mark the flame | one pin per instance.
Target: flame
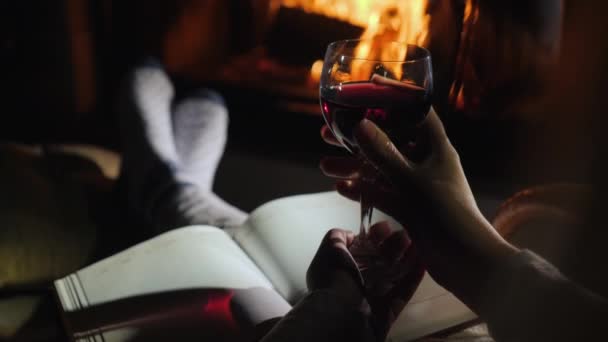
(316, 70)
(399, 20)
(464, 74)
(394, 20)
(355, 12)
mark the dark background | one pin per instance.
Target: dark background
(63, 60)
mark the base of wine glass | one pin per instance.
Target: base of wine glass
(378, 275)
(364, 252)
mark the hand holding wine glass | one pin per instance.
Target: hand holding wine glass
(432, 199)
(393, 90)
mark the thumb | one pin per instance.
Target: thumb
(380, 151)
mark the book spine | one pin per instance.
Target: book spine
(71, 294)
(72, 297)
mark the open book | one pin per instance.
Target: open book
(202, 279)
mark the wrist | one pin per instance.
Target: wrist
(479, 238)
(466, 259)
(490, 245)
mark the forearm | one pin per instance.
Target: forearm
(527, 299)
(322, 316)
(520, 296)
(463, 258)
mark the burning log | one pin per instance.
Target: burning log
(298, 37)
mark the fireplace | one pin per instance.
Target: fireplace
(490, 60)
(487, 57)
(287, 62)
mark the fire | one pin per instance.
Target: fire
(398, 20)
(394, 20)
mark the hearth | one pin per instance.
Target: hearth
(490, 61)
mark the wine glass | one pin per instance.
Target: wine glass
(389, 83)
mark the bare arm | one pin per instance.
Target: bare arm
(522, 297)
(528, 299)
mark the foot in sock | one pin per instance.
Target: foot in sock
(200, 128)
(187, 204)
(169, 160)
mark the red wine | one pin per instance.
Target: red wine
(395, 107)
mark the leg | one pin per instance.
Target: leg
(170, 159)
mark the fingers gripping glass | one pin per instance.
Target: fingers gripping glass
(389, 83)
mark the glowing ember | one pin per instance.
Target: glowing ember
(395, 20)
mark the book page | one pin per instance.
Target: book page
(191, 257)
(431, 309)
(282, 237)
(180, 281)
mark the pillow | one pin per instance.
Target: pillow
(47, 229)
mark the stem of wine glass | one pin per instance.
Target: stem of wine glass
(368, 177)
(363, 250)
(366, 210)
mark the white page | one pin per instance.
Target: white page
(282, 236)
(185, 258)
(191, 258)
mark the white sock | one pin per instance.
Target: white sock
(200, 128)
(169, 161)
